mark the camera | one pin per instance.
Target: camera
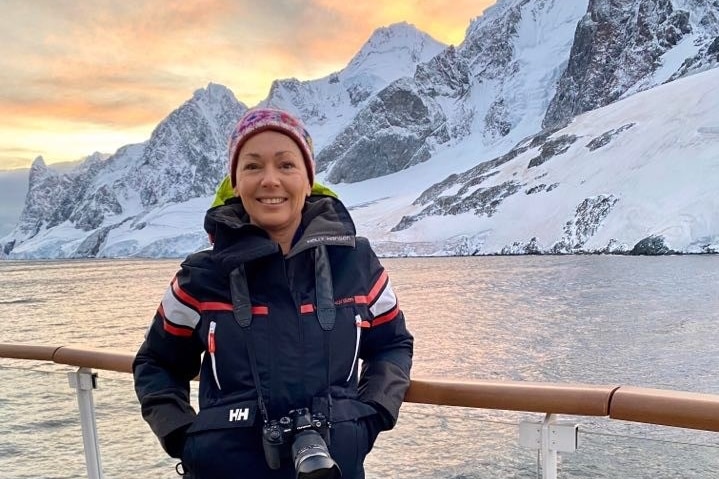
(300, 433)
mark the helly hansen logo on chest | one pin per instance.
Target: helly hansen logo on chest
(239, 414)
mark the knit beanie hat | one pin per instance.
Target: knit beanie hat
(262, 119)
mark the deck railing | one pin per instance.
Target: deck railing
(644, 405)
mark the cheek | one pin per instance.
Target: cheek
(244, 185)
(236, 189)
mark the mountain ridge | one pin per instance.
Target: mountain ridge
(386, 140)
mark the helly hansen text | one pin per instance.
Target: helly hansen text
(239, 414)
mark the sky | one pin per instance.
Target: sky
(79, 77)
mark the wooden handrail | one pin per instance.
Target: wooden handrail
(669, 408)
(105, 359)
(27, 351)
(575, 399)
(646, 405)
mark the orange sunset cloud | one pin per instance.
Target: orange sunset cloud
(94, 76)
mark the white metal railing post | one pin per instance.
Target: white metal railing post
(549, 455)
(84, 381)
(548, 437)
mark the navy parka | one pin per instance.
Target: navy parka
(309, 316)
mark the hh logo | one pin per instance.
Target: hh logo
(242, 414)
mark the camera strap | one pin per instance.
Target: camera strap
(242, 310)
(256, 379)
(324, 291)
(326, 311)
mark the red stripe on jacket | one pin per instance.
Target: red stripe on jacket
(260, 310)
(379, 284)
(201, 306)
(171, 328)
(386, 317)
(374, 292)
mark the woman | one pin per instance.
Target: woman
(283, 306)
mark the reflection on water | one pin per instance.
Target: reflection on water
(601, 320)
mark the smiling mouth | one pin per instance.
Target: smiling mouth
(272, 201)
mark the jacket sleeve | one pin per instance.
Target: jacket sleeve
(166, 362)
(386, 349)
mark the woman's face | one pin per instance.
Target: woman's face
(271, 179)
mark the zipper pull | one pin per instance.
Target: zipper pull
(358, 323)
(211, 347)
(211, 338)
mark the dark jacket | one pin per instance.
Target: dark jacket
(307, 316)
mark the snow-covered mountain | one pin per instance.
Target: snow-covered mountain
(327, 104)
(640, 175)
(450, 150)
(72, 214)
(494, 88)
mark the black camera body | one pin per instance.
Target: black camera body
(301, 433)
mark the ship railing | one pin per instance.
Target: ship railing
(681, 409)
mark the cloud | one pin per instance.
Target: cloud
(127, 65)
(446, 21)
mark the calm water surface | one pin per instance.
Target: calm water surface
(591, 319)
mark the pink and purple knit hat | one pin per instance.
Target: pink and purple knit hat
(262, 119)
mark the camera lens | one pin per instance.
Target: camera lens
(312, 459)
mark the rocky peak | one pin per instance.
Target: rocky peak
(618, 48)
(214, 101)
(38, 169)
(325, 104)
(399, 42)
(43, 183)
(186, 154)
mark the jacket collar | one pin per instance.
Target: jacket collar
(325, 221)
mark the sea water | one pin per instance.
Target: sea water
(615, 320)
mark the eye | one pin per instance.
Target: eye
(250, 166)
(288, 165)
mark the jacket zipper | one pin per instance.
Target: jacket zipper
(358, 324)
(211, 349)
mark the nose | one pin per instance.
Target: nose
(270, 176)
